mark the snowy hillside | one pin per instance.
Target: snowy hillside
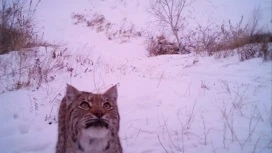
(168, 104)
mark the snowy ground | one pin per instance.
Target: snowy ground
(174, 103)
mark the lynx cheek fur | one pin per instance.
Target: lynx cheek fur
(88, 122)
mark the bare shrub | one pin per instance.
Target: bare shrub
(206, 38)
(17, 29)
(241, 34)
(248, 52)
(266, 50)
(170, 14)
(214, 38)
(222, 40)
(161, 46)
(255, 50)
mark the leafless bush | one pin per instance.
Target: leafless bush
(170, 14)
(255, 50)
(248, 52)
(17, 29)
(265, 50)
(222, 40)
(241, 34)
(161, 46)
(216, 38)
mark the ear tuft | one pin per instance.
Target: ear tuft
(71, 93)
(112, 93)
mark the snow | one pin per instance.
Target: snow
(173, 103)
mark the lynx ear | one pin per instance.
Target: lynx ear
(71, 93)
(112, 93)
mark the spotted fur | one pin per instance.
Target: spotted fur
(88, 122)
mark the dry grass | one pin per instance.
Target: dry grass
(30, 68)
(17, 28)
(122, 33)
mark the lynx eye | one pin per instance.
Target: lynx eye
(107, 106)
(84, 105)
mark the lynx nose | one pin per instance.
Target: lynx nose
(98, 113)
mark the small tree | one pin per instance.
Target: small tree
(169, 13)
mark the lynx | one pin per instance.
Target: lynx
(88, 122)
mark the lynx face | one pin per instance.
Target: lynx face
(93, 112)
(89, 122)
(96, 113)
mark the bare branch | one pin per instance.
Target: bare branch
(170, 14)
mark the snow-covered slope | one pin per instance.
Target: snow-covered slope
(174, 103)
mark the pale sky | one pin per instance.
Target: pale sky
(219, 10)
